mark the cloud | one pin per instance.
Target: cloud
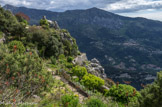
(125, 6)
(59, 4)
(117, 6)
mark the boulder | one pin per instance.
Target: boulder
(79, 60)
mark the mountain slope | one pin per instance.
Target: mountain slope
(129, 48)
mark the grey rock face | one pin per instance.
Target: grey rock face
(65, 36)
(94, 60)
(53, 24)
(94, 67)
(80, 59)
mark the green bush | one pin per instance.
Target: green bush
(53, 60)
(24, 70)
(69, 100)
(16, 46)
(152, 94)
(94, 102)
(62, 56)
(79, 71)
(44, 23)
(8, 21)
(92, 81)
(124, 93)
(69, 65)
(70, 59)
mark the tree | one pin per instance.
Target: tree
(152, 94)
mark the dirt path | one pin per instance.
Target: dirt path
(81, 97)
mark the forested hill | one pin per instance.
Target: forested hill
(128, 48)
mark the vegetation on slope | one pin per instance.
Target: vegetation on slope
(36, 67)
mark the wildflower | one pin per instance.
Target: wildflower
(7, 83)
(17, 90)
(76, 95)
(39, 76)
(30, 53)
(14, 100)
(35, 75)
(28, 93)
(15, 47)
(13, 78)
(0, 91)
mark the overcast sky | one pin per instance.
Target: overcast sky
(151, 9)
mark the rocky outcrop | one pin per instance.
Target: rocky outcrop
(94, 67)
(79, 60)
(67, 37)
(52, 24)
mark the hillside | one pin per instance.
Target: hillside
(41, 66)
(128, 48)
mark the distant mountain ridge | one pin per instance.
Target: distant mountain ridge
(129, 48)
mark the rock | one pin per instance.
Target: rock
(95, 68)
(80, 59)
(94, 65)
(52, 24)
(94, 60)
(67, 37)
(56, 26)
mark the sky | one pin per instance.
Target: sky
(151, 9)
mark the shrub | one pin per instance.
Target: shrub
(8, 21)
(53, 60)
(16, 46)
(70, 100)
(70, 59)
(24, 71)
(69, 65)
(152, 94)
(123, 93)
(92, 81)
(79, 71)
(62, 56)
(44, 23)
(94, 102)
